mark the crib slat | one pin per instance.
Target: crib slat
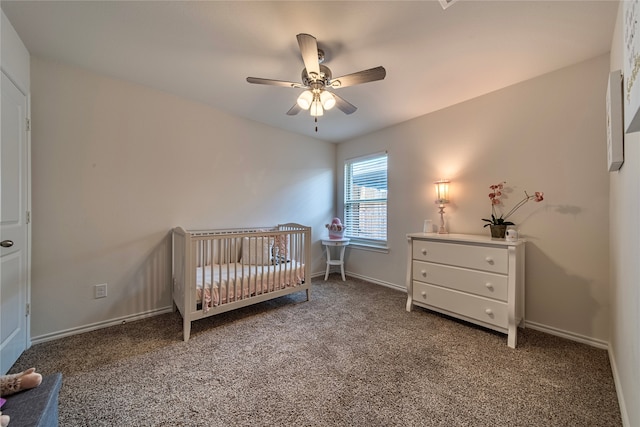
(238, 273)
(255, 252)
(220, 283)
(226, 263)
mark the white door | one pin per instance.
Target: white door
(14, 331)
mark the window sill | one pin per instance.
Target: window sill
(371, 248)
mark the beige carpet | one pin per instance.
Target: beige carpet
(352, 356)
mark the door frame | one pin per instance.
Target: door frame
(29, 214)
(27, 202)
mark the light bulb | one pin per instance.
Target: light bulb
(316, 108)
(328, 100)
(305, 99)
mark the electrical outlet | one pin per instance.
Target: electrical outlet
(100, 291)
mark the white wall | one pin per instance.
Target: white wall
(117, 165)
(624, 186)
(14, 59)
(546, 134)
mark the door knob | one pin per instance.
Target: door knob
(6, 243)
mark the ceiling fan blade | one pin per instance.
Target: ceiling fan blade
(270, 82)
(294, 110)
(309, 50)
(365, 76)
(344, 106)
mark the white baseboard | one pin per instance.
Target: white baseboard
(616, 379)
(533, 325)
(100, 325)
(130, 318)
(378, 282)
(557, 332)
(365, 278)
(568, 335)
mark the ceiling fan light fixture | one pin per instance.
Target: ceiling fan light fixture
(317, 78)
(316, 108)
(327, 99)
(305, 99)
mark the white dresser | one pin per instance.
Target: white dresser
(471, 277)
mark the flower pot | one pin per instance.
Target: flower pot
(336, 235)
(498, 231)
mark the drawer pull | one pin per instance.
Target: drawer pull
(489, 260)
(489, 286)
(424, 251)
(424, 294)
(489, 312)
(424, 273)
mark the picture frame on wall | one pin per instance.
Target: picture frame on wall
(631, 59)
(615, 125)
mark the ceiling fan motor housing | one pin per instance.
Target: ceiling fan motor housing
(323, 79)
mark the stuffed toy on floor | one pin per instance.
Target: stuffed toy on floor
(13, 383)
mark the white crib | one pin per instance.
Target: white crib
(215, 271)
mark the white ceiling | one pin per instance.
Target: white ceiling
(204, 50)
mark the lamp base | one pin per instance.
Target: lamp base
(442, 230)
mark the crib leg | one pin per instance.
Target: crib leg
(186, 329)
(308, 294)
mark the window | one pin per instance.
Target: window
(365, 199)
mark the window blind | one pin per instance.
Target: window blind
(365, 199)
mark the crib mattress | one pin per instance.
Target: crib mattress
(224, 283)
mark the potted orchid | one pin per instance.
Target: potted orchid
(499, 222)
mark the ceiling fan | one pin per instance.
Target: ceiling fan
(317, 79)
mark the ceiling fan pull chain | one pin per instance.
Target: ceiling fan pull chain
(316, 120)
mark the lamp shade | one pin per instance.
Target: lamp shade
(316, 108)
(442, 191)
(327, 99)
(305, 99)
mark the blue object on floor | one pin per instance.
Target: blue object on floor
(36, 407)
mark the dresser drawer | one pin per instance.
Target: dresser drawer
(490, 285)
(478, 257)
(475, 307)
